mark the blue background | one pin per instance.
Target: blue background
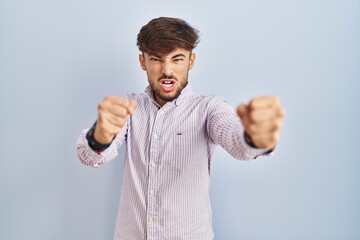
(58, 59)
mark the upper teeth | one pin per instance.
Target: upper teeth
(166, 82)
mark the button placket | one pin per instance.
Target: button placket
(153, 177)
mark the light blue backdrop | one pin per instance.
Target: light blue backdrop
(58, 59)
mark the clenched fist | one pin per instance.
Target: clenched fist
(262, 119)
(113, 113)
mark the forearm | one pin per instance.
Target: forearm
(226, 130)
(233, 141)
(92, 158)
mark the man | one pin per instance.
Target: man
(170, 133)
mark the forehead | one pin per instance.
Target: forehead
(175, 53)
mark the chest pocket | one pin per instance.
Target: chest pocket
(185, 150)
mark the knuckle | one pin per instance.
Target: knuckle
(103, 105)
(276, 100)
(107, 99)
(100, 106)
(282, 112)
(275, 126)
(252, 103)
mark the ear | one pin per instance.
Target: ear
(192, 61)
(142, 61)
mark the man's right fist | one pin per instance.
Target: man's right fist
(113, 113)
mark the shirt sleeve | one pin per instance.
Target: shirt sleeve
(225, 129)
(95, 159)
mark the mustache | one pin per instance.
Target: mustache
(163, 77)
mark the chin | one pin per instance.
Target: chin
(168, 98)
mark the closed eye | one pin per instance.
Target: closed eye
(154, 59)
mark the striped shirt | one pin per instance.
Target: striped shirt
(169, 149)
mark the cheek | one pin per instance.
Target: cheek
(153, 70)
(184, 71)
(153, 74)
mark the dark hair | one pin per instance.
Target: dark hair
(164, 34)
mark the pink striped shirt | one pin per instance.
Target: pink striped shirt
(169, 149)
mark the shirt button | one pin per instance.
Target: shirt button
(152, 192)
(150, 219)
(155, 136)
(152, 163)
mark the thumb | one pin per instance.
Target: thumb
(243, 113)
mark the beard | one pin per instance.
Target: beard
(167, 97)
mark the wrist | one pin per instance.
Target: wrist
(99, 136)
(94, 144)
(249, 141)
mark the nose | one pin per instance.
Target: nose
(167, 68)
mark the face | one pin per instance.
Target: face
(167, 75)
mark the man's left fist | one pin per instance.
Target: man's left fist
(262, 119)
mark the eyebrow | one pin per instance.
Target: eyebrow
(176, 56)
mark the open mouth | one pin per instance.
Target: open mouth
(167, 84)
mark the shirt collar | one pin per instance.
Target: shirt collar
(181, 98)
